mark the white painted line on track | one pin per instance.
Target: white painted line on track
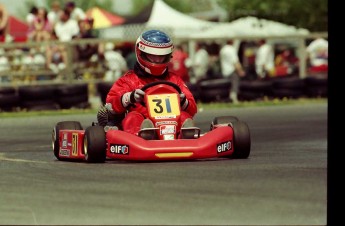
(4, 158)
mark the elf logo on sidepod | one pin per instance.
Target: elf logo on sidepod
(119, 149)
(223, 147)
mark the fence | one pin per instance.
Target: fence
(24, 65)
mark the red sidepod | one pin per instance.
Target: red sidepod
(71, 144)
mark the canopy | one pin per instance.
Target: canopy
(162, 17)
(17, 29)
(250, 27)
(103, 18)
(182, 25)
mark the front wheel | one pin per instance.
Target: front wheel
(65, 125)
(95, 144)
(242, 141)
(223, 120)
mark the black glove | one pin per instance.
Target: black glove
(133, 97)
(183, 101)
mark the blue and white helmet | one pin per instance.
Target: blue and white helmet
(156, 43)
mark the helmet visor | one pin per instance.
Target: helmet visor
(156, 59)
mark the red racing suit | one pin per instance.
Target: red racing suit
(136, 79)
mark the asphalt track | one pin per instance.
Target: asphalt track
(283, 182)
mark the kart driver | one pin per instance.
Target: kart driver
(153, 51)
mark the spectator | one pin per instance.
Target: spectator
(131, 59)
(42, 26)
(318, 55)
(178, 63)
(199, 63)
(3, 23)
(115, 63)
(75, 12)
(231, 68)
(86, 51)
(56, 56)
(4, 62)
(264, 60)
(66, 28)
(4, 66)
(286, 63)
(30, 18)
(54, 13)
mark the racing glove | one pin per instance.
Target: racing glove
(183, 101)
(132, 97)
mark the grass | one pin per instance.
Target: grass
(264, 102)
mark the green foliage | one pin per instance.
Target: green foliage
(310, 14)
(182, 6)
(139, 5)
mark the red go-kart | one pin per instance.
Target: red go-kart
(227, 137)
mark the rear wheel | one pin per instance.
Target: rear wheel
(72, 125)
(223, 120)
(95, 144)
(242, 141)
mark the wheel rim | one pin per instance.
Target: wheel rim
(53, 138)
(85, 148)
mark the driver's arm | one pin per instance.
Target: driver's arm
(192, 107)
(114, 98)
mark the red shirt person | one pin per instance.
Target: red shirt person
(177, 63)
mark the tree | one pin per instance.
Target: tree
(309, 14)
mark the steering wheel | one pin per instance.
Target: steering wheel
(175, 86)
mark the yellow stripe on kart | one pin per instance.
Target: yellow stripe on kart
(174, 155)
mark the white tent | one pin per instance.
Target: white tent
(163, 17)
(249, 27)
(181, 25)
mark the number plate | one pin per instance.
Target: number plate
(163, 106)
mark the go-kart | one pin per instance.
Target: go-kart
(227, 137)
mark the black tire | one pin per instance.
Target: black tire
(37, 93)
(241, 142)
(246, 95)
(223, 120)
(44, 107)
(7, 90)
(195, 90)
(288, 83)
(72, 90)
(67, 102)
(103, 89)
(55, 135)
(258, 86)
(38, 105)
(316, 81)
(9, 100)
(316, 91)
(214, 95)
(287, 93)
(218, 83)
(95, 144)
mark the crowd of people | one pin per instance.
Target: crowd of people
(69, 22)
(55, 26)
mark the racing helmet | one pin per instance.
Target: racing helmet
(153, 50)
